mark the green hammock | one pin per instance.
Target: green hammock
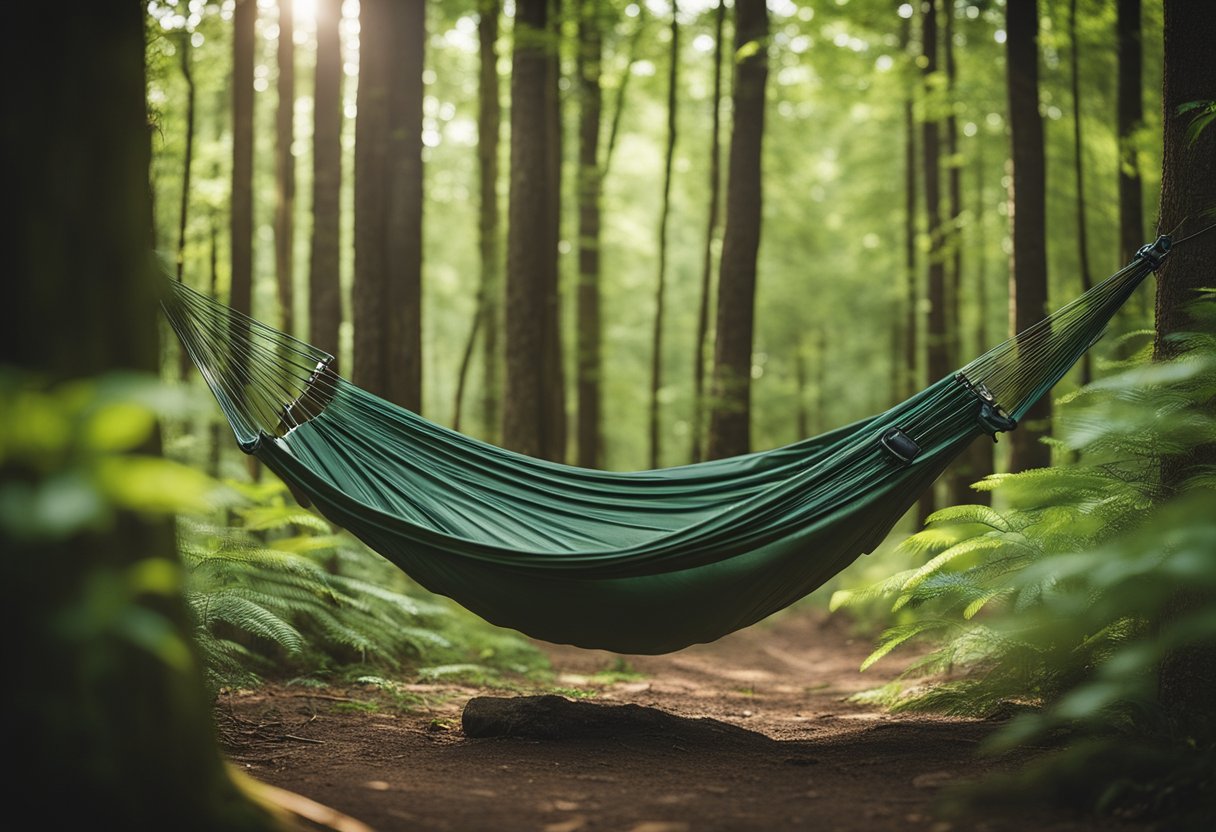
(643, 562)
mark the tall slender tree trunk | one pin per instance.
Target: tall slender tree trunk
(589, 361)
(980, 454)
(711, 232)
(730, 417)
(183, 214)
(1028, 210)
(1130, 105)
(324, 280)
(284, 167)
(489, 130)
(962, 473)
(403, 351)
(486, 312)
(554, 367)
(656, 348)
(244, 22)
(1188, 190)
(937, 345)
(110, 696)
(937, 336)
(953, 235)
(388, 201)
(528, 415)
(1087, 371)
(912, 346)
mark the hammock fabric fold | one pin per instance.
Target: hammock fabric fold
(641, 562)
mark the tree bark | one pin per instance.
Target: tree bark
(1130, 106)
(1087, 280)
(531, 244)
(183, 214)
(980, 453)
(1028, 211)
(1188, 190)
(284, 167)
(488, 310)
(103, 712)
(589, 431)
(388, 201)
(656, 349)
(711, 232)
(244, 22)
(324, 282)
(489, 130)
(730, 417)
(937, 336)
(554, 436)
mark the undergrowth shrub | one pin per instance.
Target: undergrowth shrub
(1059, 610)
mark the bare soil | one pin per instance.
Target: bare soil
(754, 731)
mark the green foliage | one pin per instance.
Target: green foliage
(276, 590)
(1061, 609)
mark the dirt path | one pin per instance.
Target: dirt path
(797, 757)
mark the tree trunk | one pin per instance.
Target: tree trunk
(730, 417)
(531, 244)
(324, 281)
(403, 230)
(1028, 210)
(284, 167)
(110, 697)
(244, 22)
(1087, 280)
(183, 214)
(711, 231)
(388, 201)
(488, 310)
(554, 435)
(656, 349)
(962, 473)
(980, 454)
(1188, 190)
(590, 444)
(1130, 118)
(489, 129)
(937, 336)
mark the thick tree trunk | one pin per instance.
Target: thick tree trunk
(1130, 107)
(590, 447)
(110, 698)
(1028, 210)
(244, 22)
(656, 345)
(1087, 371)
(388, 201)
(1188, 190)
(531, 244)
(730, 418)
(285, 168)
(324, 283)
(711, 232)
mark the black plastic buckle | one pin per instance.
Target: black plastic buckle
(900, 445)
(1155, 252)
(992, 417)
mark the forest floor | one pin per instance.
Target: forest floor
(753, 732)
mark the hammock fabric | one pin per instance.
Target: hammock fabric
(642, 562)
